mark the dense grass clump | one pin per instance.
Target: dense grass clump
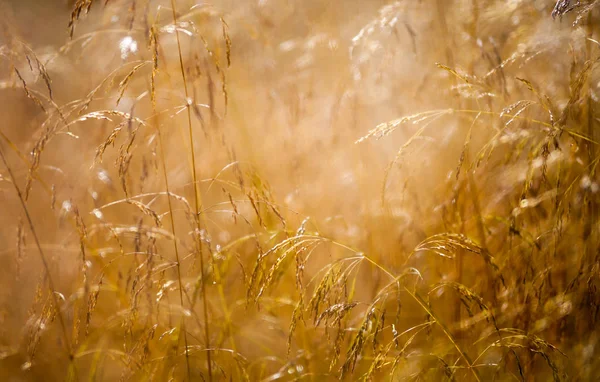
(299, 190)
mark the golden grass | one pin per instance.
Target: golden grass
(299, 190)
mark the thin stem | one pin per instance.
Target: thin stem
(176, 248)
(196, 194)
(172, 220)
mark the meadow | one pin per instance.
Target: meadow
(313, 190)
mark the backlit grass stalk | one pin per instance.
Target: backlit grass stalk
(591, 127)
(182, 328)
(196, 195)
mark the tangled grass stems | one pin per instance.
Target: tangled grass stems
(461, 351)
(415, 295)
(46, 266)
(471, 255)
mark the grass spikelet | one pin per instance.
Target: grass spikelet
(295, 249)
(227, 39)
(123, 161)
(577, 86)
(260, 280)
(543, 99)
(467, 296)
(386, 128)
(82, 231)
(399, 155)
(78, 7)
(516, 340)
(29, 93)
(91, 304)
(146, 210)
(110, 140)
(519, 106)
(340, 336)
(125, 81)
(329, 280)
(107, 82)
(46, 317)
(563, 7)
(154, 49)
(446, 245)
(297, 315)
(356, 347)
(463, 77)
(224, 90)
(376, 365)
(254, 204)
(335, 313)
(20, 248)
(41, 69)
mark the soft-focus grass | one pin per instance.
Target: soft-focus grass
(299, 190)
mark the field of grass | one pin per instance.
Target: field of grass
(312, 190)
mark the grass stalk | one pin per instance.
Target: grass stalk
(182, 328)
(196, 192)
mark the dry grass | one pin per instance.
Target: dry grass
(299, 190)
